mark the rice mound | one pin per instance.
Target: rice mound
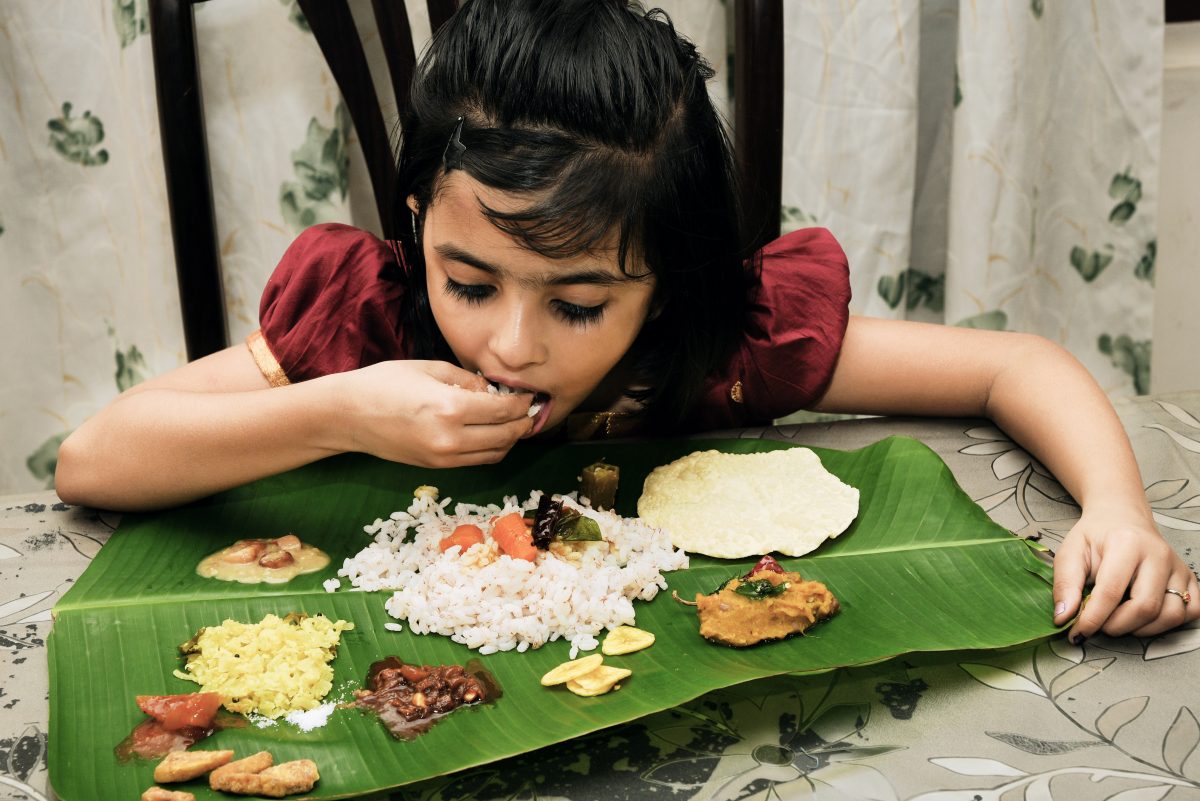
(732, 505)
(272, 668)
(490, 602)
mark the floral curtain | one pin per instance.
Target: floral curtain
(987, 164)
(990, 165)
(88, 282)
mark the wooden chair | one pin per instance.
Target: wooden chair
(758, 113)
(758, 128)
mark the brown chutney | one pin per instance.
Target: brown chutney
(409, 698)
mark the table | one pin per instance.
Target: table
(1112, 719)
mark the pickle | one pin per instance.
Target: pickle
(598, 483)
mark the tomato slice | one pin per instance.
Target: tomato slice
(177, 712)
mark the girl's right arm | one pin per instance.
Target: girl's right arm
(215, 423)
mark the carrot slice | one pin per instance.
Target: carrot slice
(514, 539)
(465, 536)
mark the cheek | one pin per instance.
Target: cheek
(460, 328)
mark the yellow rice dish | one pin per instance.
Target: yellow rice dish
(271, 668)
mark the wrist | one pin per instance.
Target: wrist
(1119, 508)
(330, 408)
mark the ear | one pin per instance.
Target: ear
(413, 205)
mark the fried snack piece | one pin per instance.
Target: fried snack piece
(626, 640)
(159, 794)
(746, 612)
(572, 670)
(255, 763)
(297, 776)
(599, 681)
(182, 766)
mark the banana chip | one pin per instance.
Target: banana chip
(599, 681)
(572, 670)
(626, 640)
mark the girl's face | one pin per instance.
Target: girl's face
(556, 327)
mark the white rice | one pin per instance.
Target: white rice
(504, 389)
(491, 602)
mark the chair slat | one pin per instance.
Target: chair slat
(333, 26)
(439, 12)
(395, 34)
(758, 113)
(189, 187)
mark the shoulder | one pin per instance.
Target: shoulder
(802, 289)
(334, 254)
(332, 302)
(808, 258)
(799, 306)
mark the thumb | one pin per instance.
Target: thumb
(1070, 574)
(456, 376)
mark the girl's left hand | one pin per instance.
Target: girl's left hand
(1131, 566)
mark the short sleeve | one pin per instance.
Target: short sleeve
(332, 304)
(795, 326)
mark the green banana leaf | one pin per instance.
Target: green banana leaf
(921, 569)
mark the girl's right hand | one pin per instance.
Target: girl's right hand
(430, 414)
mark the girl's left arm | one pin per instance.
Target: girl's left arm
(1047, 402)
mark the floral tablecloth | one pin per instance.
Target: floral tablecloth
(1114, 719)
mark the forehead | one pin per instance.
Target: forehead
(458, 217)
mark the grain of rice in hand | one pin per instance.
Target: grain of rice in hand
(489, 601)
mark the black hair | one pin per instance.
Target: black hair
(599, 113)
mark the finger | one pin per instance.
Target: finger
(1173, 611)
(1112, 579)
(1145, 603)
(455, 376)
(484, 408)
(496, 436)
(477, 458)
(1071, 572)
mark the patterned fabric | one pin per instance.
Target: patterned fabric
(333, 304)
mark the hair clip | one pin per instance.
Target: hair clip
(452, 155)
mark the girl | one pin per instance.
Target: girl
(575, 239)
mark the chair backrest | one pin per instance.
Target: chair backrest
(758, 113)
(758, 128)
(333, 27)
(189, 187)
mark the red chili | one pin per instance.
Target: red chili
(766, 563)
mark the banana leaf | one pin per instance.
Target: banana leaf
(922, 568)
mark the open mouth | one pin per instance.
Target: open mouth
(538, 409)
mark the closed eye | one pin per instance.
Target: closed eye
(575, 314)
(471, 293)
(570, 313)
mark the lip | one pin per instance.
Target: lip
(540, 396)
(539, 422)
(495, 379)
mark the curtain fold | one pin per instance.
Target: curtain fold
(990, 165)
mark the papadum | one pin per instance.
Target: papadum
(735, 505)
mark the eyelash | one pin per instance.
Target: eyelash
(571, 313)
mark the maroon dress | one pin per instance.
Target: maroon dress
(333, 305)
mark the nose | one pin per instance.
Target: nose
(517, 342)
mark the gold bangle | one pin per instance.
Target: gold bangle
(271, 369)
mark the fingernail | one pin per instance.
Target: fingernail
(1059, 608)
